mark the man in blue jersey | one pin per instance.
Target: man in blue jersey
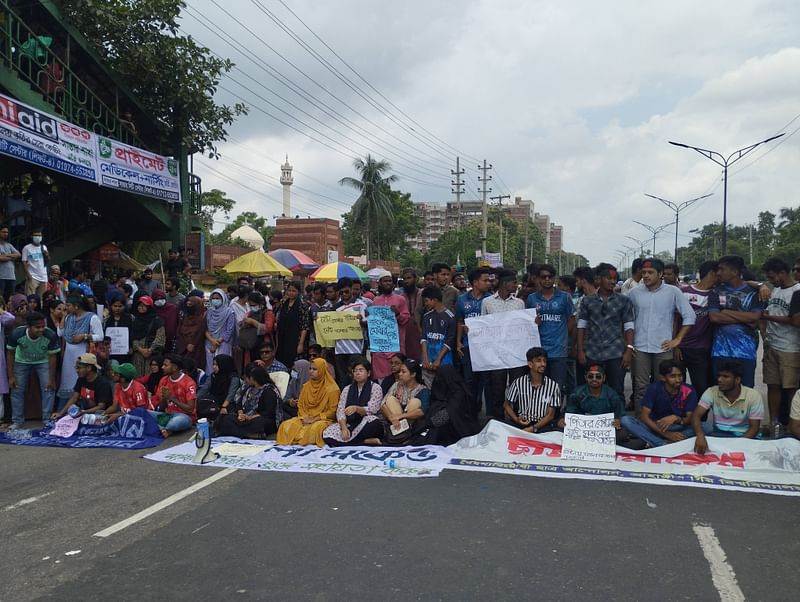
(734, 309)
(438, 334)
(468, 305)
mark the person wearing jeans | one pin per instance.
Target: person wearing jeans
(8, 255)
(31, 348)
(175, 400)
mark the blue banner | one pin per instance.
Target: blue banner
(384, 336)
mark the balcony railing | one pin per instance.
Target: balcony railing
(42, 60)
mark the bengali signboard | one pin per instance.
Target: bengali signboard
(134, 170)
(48, 141)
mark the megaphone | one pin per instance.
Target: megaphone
(202, 441)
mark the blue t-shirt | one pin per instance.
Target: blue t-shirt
(555, 314)
(438, 331)
(734, 340)
(467, 306)
(662, 403)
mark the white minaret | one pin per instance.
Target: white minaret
(287, 181)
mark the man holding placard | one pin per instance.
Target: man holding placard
(381, 366)
(468, 305)
(533, 400)
(347, 349)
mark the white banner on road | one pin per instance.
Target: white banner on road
(736, 464)
(498, 341)
(422, 461)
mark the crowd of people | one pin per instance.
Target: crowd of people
(246, 357)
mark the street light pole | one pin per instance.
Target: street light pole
(654, 230)
(638, 242)
(725, 164)
(677, 208)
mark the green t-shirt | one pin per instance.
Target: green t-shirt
(32, 351)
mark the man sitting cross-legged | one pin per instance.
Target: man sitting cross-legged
(175, 398)
(667, 407)
(129, 393)
(737, 410)
(533, 400)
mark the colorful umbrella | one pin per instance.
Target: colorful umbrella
(294, 260)
(256, 263)
(331, 272)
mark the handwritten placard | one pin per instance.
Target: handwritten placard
(499, 341)
(590, 438)
(384, 336)
(120, 340)
(65, 427)
(330, 326)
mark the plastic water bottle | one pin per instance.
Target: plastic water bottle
(777, 430)
(74, 411)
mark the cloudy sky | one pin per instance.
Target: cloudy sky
(572, 102)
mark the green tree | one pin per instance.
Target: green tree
(787, 238)
(214, 202)
(173, 77)
(250, 218)
(388, 235)
(373, 204)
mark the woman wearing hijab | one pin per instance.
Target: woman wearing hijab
(253, 414)
(293, 324)
(153, 376)
(357, 415)
(220, 327)
(147, 334)
(449, 417)
(220, 387)
(81, 328)
(299, 377)
(18, 305)
(169, 316)
(192, 329)
(118, 317)
(316, 409)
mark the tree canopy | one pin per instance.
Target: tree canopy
(172, 76)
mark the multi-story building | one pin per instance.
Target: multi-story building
(542, 221)
(434, 224)
(556, 239)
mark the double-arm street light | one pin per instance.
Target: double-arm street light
(654, 230)
(638, 242)
(677, 208)
(725, 163)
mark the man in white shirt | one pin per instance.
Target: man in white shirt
(34, 260)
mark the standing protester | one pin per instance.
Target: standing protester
(8, 255)
(655, 304)
(174, 295)
(781, 339)
(413, 295)
(605, 329)
(636, 277)
(695, 348)
(147, 285)
(92, 392)
(148, 337)
(293, 325)
(346, 350)
(192, 329)
(220, 328)
(672, 274)
(468, 305)
(502, 301)
(438, 334)
(81, 330)
(735, 309)
(34, 259)
(387, 297)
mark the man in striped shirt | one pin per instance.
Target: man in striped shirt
(533, 401)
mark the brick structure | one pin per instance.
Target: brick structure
(313, 236)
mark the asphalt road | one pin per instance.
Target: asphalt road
(461, 536)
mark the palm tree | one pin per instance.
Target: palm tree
(373, 202)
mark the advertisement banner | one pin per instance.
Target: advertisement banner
(134, 170)
(41, 139)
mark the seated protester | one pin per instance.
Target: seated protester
(129, 394)
(595, 397)
(253, 414)
(357, 415)
(737, 410)
(219, 389)
(316, 409)
(451, 415)
(266, 359)
(408, 399)
(175, 399)
(197, 374)
(153, 376)
(667, 407)
(533, 401)
(92, 393)
(394, 363)
(298, 378)
(794, 416)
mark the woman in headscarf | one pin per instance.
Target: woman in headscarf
(220, 327)
(169, 316)
(293, 324)
(253, 414)
(81, 328)
(118, 317)
(192, 329)
(299, 377)
(18, 305)
(316, 409)
(221, 386)
(450, 416)
(407, 401)
(147, 334)
(153, 376)
(357, 415)
(34, 303)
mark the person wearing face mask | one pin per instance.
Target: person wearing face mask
(255, 328)
(192, 329)
(34, 259)
(147, 334)
(169, 315)
(220, 327)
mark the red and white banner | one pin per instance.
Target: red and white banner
(735, 464)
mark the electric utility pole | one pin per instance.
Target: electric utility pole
(499, 200)
(458, 190)
(484, 190)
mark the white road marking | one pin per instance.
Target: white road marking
(27, 500)
(165, 503)
(721, 571)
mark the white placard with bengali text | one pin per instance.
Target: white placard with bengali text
(589, 438)
(498, 341)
